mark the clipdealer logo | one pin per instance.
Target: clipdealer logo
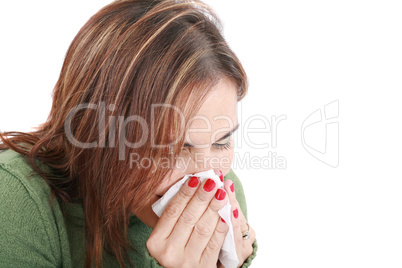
(320, 134)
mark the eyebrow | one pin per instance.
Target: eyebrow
(224, 136)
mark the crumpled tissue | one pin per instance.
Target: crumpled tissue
(227, 255)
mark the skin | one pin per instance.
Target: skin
(190, 232)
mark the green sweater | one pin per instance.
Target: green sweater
(35, 234)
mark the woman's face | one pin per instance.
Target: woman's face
(208, 142)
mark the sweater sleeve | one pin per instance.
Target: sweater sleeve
(241, 198)
(24, 241)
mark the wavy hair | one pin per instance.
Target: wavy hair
(128, 57)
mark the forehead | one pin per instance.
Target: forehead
(217, 115)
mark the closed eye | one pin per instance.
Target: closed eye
(224, 144)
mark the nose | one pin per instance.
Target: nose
(202, 161)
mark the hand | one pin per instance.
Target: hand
(190, 232)
(244, 247)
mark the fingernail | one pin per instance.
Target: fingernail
(193, 182)
(221, 175)
(236, 213)
(220, 194)
(223, 220)
(232, 187)
(209, 185)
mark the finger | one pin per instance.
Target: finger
(251, 240)
(219, 173)
(244, 247)
(175, 208)
(193, 212)
(230, 188)
(247, 246)
(205, 227)
(237, 232)
(214, 245)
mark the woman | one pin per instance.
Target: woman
(147, 94)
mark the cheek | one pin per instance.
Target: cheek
(174, 177)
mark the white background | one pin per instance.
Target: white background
(299, 56)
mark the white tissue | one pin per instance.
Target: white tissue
(227, 255)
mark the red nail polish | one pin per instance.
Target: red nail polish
(209, 185)
(220, 194)
(193, 182)
(232, 187)
(236, 213)
(223, 220)
(221, 175)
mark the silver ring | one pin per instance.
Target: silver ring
(246, 234)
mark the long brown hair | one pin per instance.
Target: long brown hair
(127, 57)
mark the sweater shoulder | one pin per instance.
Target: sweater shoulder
(18, 166)
(30, 224)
